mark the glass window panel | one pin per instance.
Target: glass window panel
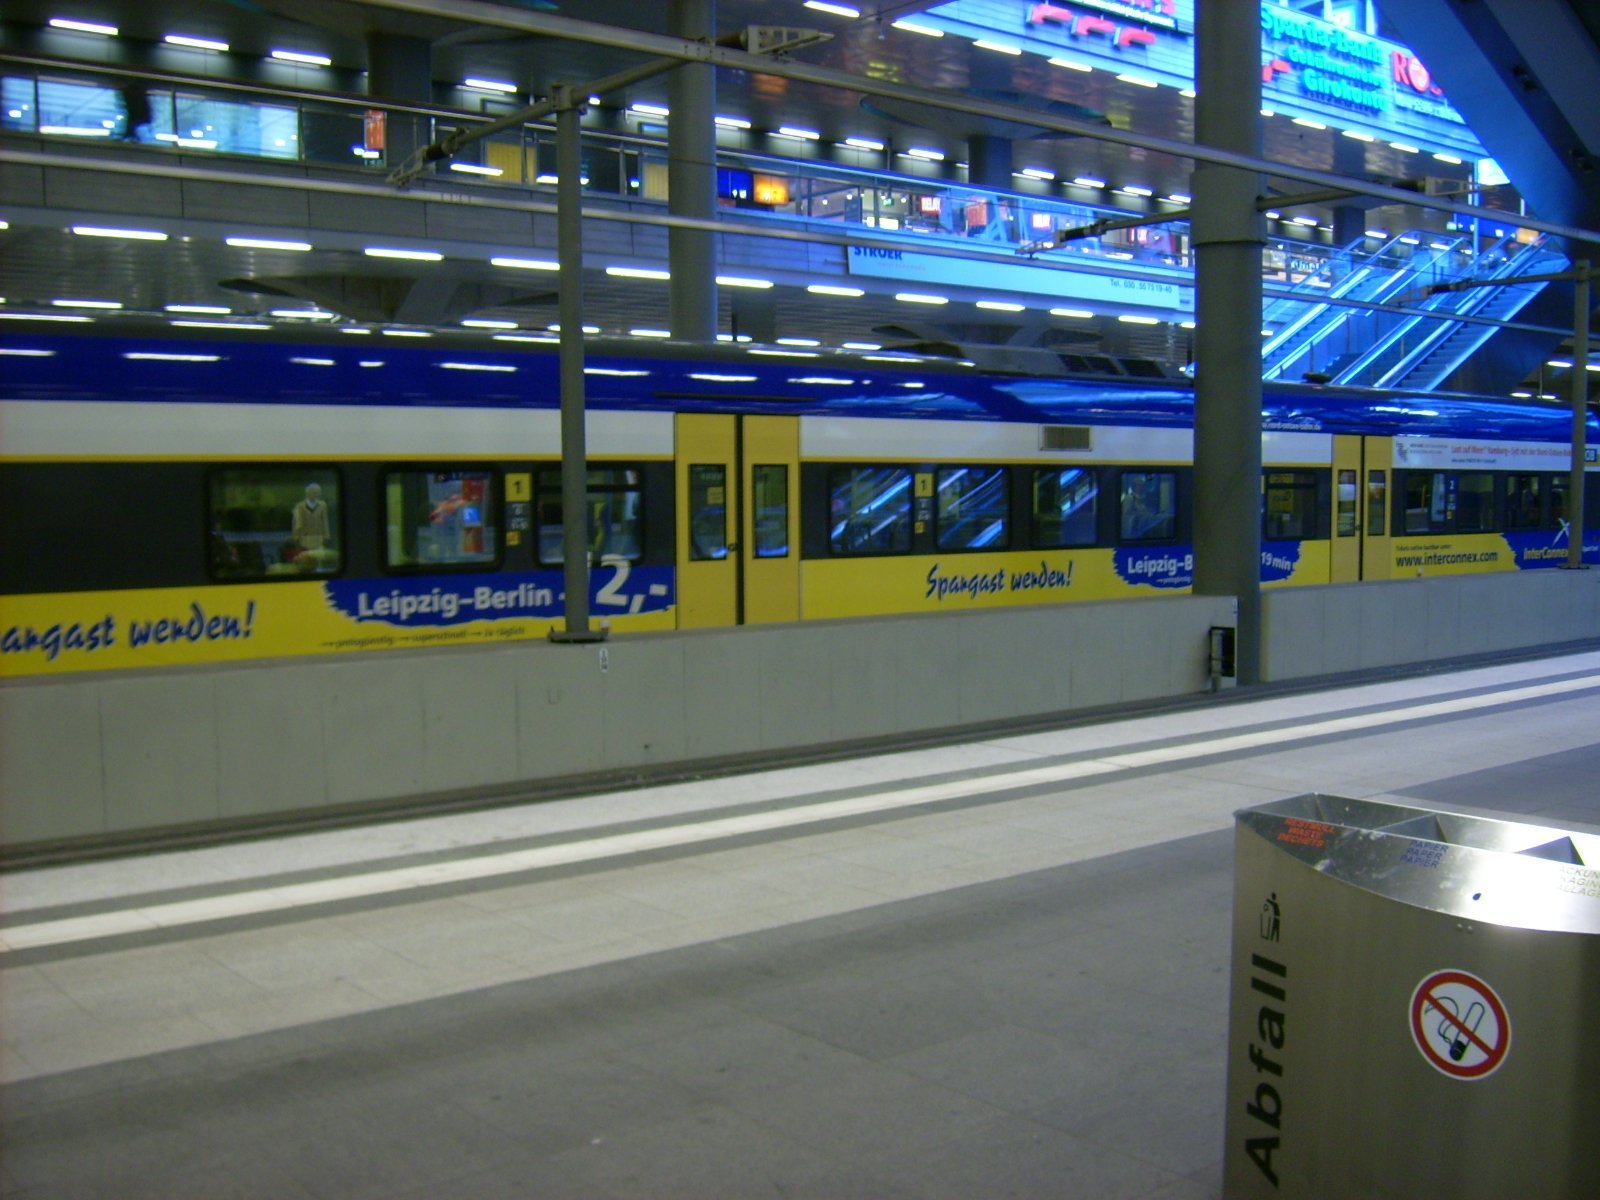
(1425, 501)
(974, 504)
(1377, 503)
(237, 127)
(1289, 505)
(440, 518)
(1065, 503)
(869, 510)
(1559, 486)
(1523, 507)
(79, 109)
(274, 521)
(1346, 504)
(708, 511)
(1475, 503)
(616, 514)
(771, 500)
(1149, 505)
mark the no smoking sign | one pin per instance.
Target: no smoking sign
(1460, 1025)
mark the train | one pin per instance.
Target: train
(177, 498)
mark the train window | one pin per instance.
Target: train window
(1065, 502)
(274, 521)
(1289, 505)
(1347, 504)
(1523, 507)
(1475, 503)
(440, 518)
(1149, 505)
(708, 511)
(869, 510)
(770, 498)
(1377, 502)
(973, 506)
(1559, 486)
(616, 514)
(1428, 497)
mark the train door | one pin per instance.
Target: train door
(1377, 483)
(738, 483)
(1344, 562)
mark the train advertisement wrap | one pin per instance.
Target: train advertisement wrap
(1464, 554)
(164, 627)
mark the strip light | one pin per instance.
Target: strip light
(83, 26)
(138, 235)
(196, 43)
(296, 56)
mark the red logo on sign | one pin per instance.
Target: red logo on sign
(1410, 71)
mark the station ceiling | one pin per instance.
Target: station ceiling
(40, 261)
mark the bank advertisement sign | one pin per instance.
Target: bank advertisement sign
(908, 266)
(1310, 68)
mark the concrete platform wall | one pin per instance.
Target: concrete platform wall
(93, 755)
(1359, 626)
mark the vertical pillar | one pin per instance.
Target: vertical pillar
(989, 162)
(1580, 415)
(400, 69)
(1228, 234)
(692, 177)
(1349, 223)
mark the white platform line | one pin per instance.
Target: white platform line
(376, 883)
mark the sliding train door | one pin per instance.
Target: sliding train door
(1377, 478)
(1344, 561)
(738, 486)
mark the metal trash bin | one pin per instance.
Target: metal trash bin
(1413, 998)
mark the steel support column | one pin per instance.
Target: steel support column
(1228, 233)
(692, 177)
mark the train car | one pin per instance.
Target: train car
(171, 501)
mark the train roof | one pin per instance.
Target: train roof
(470, 369)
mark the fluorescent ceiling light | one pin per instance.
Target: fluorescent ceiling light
(312, 362)
(838, 10)
(710, 377)
(1358, 135)
(221, 325)
(740, 281)
(1138, 81)
(1186, 325)
(543, 338)
(1180, 198)
(1448, 158)
(924, 152)
(414, 255)
(1071, 66)
(59, 318)
(83, 26)
(250, 243)
(794, 131)
(921, 298)
(1188, 93)
(107, 304)
(159, 356)
(196, 43)
(1380, 234)
(1131, 189)
(913, 27)
(894, 358)
(797, 341)
(783, 353)
(1001, 305)
(997, 47)
(28, 353)
(1272, 214)
(1267, 112)
(304, 314)
(75, 130)
(1559, 363)
(475, 169)
(1308, 123)
(1089, 181)
(862, 345)
(410, 333)
(650, 333)
(487, 323)
(502, 368)
(526, 264)
(355, 330)
(296, 56)
(1080, 313)
(1406, 147)
(649, 110)
(215, 310)
(832, 380)
(371, 362)
(1304, 220)
(490, 85)
(1127, 320)
(639, 272)
(829, 289)
(138, 235)
(615, 372)
(732, 122)
(1037, 173)
(861, 143)
(555, 327)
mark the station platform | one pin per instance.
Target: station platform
(994, 969)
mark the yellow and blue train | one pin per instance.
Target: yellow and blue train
(222, 496)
